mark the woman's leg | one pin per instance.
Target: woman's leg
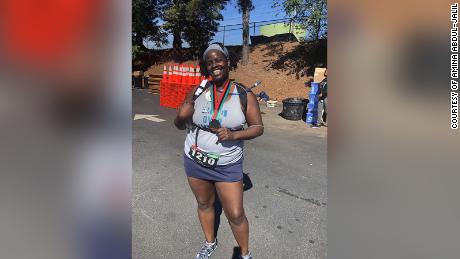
(231, 196)
(204, 192)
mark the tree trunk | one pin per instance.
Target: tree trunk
(316, 35)
(245, 58)
(318, 25)
(177, 41)
(318, 29)
(139, 41)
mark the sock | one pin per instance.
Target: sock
(246, 256)
(210, 244)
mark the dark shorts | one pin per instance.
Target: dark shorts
(225, 173)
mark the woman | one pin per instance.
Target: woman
(214, 117)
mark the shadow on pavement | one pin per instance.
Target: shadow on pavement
(236, 252)
(218, 213)
(247, 183)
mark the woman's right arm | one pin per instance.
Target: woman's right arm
(185, 111)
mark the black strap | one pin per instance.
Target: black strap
(198, 128)
(196, 136)
(201, 128)
(203, 89)
(209, 130)
(242, 94)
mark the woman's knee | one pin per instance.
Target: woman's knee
(236, 217)
(205, 204)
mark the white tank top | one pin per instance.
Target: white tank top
(231, 117)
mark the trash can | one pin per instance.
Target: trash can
(137, 79)
(294, 108)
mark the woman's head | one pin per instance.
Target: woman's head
(217, 62)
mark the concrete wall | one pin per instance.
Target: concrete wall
(278, 28)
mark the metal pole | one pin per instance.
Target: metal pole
(254, 33)
(223, 40)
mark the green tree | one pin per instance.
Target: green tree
(195, 21)
(174, 17)
(203, 18)
(145, 14)
(245, 7)
(312, 14)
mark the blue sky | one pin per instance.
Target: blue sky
(263, 11)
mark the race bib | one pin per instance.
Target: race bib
(203, 158)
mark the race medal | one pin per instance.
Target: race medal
(205, 159)
(216, 105)
(214, 124)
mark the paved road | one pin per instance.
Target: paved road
(285, 206)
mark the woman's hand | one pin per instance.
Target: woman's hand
(254, 121)
(185, 111)
(225, 134)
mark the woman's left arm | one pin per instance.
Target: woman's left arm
(253, 119)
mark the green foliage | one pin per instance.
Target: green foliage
(245, 4)
(312, 14)
(136, 52)
(145, 14)
(196, 21)
(174, 14)
(203, 22)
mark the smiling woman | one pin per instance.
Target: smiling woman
(217, 63)
(213, 154)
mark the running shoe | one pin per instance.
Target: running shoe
(206, 250)
(248, 256)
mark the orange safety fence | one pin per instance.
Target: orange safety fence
(177, 81)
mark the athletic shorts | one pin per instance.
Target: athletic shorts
(222, 173)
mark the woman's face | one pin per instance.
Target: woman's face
(217, 66)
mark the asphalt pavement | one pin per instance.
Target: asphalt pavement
(285, 198)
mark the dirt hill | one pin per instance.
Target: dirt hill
(282, 67)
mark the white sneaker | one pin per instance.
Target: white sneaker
(248, 256)
(206, 250)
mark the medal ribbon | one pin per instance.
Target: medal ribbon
(217, 106)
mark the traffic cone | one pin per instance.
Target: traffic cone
(186, 79)
(170, 73)
(164, 80)
(197, 75)
(191, 75)
(180, 85)
(191, 78)
(165, 74)
(180, 73)
(164, 83)
(175, 73)
(184, 74)
(177, 87)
